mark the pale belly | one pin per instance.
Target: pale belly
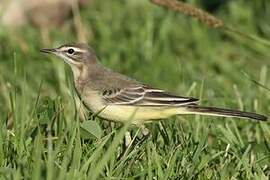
(136, 115)
(125, 113)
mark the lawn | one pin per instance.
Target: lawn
(42, 136)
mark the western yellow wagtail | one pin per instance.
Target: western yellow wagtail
(119, 98)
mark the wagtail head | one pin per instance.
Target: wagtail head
(74, 54)
(80, 57)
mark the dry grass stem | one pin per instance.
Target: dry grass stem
(190, 10)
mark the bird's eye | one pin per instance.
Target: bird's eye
(70, 51)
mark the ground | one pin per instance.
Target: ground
(45, 139)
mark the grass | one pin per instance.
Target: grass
(161, 48)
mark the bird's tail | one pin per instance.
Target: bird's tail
(213, 111)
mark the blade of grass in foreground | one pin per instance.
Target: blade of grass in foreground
(112, 148)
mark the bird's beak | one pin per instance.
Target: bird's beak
(52, 51)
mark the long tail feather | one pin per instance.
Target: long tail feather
(213, 111)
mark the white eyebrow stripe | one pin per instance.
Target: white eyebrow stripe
(75, 49)
(78, 49)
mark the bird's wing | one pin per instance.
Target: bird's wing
(144, 96)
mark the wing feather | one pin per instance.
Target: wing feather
(144, 96)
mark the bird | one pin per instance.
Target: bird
(119, 98)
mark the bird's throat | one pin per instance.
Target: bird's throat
(80, 73)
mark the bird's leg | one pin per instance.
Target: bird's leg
(145, 131)
(145, 134)
(129, 141)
